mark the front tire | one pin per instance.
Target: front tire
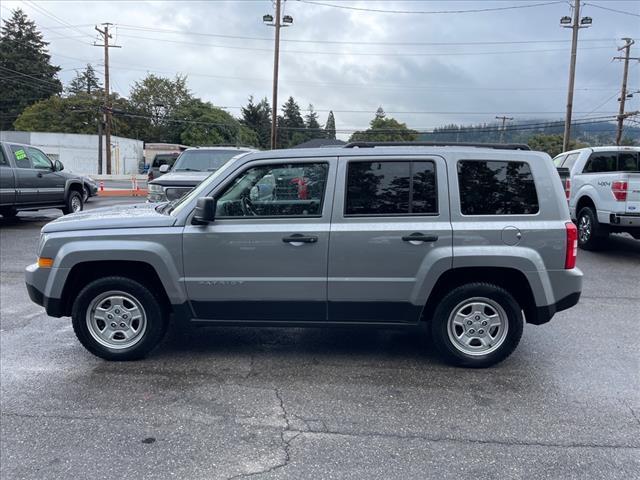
(8, 212)
(117, 318)
(591, 234)
(86, 195)
(477, 325)
(74, 203)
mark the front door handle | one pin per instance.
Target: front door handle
(299, 238)
(39, 174)
(420, 237)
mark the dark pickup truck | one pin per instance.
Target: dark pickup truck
(29, 180)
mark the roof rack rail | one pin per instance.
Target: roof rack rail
(497, 146)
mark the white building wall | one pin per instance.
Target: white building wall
(79, 153)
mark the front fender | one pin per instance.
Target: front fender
(70, 183)
(155, 254)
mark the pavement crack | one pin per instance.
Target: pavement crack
(285, 442)
(633, 413)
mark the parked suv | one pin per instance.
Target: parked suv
(469, 242)
(191, 167)
(30, 180)
(603, 191)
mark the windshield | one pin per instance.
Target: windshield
(203, 160)
(174, 207)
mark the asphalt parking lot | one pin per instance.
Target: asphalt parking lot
(342, 403)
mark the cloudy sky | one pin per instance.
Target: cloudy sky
(425, 68)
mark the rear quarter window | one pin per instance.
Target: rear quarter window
(601, 162)
(491, 187)
(628, 162)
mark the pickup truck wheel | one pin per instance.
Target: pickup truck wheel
(591, 234)
(477, 325)
(8, 212)
(117, 318)
(85, 194)
(74, 203)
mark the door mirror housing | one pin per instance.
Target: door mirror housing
(164, 168)
(205, 211)
(58, 166)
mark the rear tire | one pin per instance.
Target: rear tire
(74, 203)
(8, 212)
(477, 325)
(591, 234)
(117, 318)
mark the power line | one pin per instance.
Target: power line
(344, 42)
(55, 18)
(432, 12)
(612, 9)
(372, 54)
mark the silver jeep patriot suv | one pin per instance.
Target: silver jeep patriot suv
(467, 241)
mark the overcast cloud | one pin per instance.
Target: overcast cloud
(453, 79)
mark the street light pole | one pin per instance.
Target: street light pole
(276, 61)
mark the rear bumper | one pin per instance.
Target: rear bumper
(544, 314)
(632, 221)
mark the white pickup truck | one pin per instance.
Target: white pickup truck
(603, 191)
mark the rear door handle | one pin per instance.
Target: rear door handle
(420, 237)
(299, 238)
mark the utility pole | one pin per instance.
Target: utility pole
(107, 99)
(504, 121)
(276, 61)
(280, 22)
(623, 91)
(575, 25)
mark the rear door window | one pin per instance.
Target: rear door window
(601, 162)
(391, 188)
(496, 188)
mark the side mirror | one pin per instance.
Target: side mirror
(164, 168)
(58, 166)
(205, 211)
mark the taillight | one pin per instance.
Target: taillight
(619, 190)
(572, 246)
(567, 188)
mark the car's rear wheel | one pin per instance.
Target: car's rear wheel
(117, 318)
(591, 234)
(74, 203)
(8, 212)
(477, 325)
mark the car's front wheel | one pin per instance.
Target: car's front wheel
(477, 325)
(117, 318)
(74, 203)
(86, 195)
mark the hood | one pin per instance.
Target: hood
(182, 179)
(140, 215)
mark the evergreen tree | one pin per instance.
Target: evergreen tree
(380, 112)
(289, 124)
(85, 82)
(311, 122)
(257, 117)
(26, 73)
(330, 127)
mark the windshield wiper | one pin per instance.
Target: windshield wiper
(187, 170)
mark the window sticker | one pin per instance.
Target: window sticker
(20, 154)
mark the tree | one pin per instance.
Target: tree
(85, 82)
(26, 72)
(78, 113)
(330, 127)
(290, 123)
(257, 117)
(156, 100)
(384, 129)
(200, 123)
(552, 144)
(311, 122)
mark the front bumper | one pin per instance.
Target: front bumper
(35, 280)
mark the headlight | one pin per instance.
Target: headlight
(155, 188)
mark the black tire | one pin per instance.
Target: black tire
(8, 212)
(86, 194)
(155, 312)
(481, 293)
(70, 207)
(591, 234)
